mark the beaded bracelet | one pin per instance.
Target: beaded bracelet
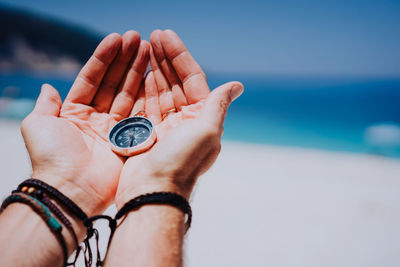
(75, 210)
(43, 212)
(39, 195)
(32, 185)
(57, 195)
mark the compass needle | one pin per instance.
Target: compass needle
(132, 135)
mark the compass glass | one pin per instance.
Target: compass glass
(131, 132)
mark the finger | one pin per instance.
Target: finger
(125, 98)
(217, 103)
(49, 102)
(164, 92)
(168, 70)
(140, 101)
(152, 104)
(189, 72)
(91, 75)
(105, 95)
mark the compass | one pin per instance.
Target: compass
(132, 136)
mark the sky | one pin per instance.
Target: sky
(282, 37)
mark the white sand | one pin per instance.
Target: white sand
(273, 206)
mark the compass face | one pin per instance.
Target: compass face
(131, 132)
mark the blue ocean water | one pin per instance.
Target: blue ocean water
(331, 113)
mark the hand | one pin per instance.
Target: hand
(67, 142)
(188, 140)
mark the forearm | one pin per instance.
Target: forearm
(26, 239)
(153, 234)
(150, 236)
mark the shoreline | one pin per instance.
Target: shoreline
(16, 121)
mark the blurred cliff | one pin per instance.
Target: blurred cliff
(36, 44)
(342, 113)
(35, 49)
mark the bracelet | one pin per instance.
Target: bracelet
(70, 206)
(39, 195)
(169, 198)
(43, 212)
(57, 195)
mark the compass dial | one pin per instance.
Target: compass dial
(131, 132)
(131, 136)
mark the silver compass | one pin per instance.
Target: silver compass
(132, 136)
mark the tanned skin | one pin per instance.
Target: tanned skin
(68, 146)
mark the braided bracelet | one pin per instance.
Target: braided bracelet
(54, 193)
(73, 208)
(39, 195)
(43, 212)
(158, 198)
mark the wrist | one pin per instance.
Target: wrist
(80, 196)
(148, 186)
(83, 196)
(19, 221)
(158, 230)
(54, 208)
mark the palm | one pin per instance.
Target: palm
(183, 118)
(175, 92)
(77, 144)
(104, 92)
(87, 129)
(177, 81)
(176, 88)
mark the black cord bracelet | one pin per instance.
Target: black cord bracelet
(75, 210)
(39, 208)
(39, 195)
(57, 195)
(168, 198)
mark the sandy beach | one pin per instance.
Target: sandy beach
(272, 206)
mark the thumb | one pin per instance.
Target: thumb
(218, 101)
(49, 102)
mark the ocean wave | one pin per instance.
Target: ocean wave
(15, 108)
(384, 135)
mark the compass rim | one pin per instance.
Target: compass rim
(129, 151)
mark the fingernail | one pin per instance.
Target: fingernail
(236, 91)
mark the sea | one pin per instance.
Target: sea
(350, 114)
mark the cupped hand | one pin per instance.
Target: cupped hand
(67, 142)
(188, 121)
